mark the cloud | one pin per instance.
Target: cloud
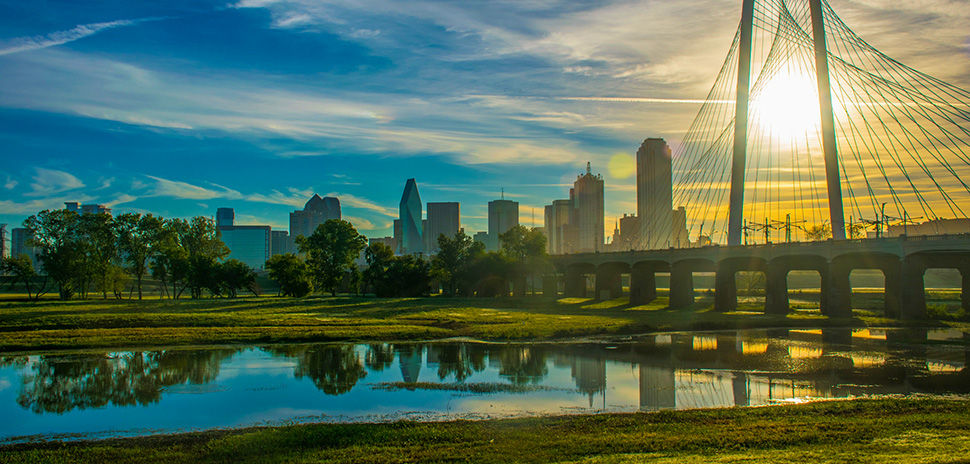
(10, 183)
(357, 202)
(184, 190)
(360, 223)
(23, 44)
(51, 182)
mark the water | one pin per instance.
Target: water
(95, 395)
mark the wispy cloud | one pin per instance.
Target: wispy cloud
(186, 191)
(363, 203)
(23, 44)
(50, 182)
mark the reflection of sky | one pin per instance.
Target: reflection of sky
(257, 387)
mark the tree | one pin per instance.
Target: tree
(171, 263)
(378, 257)
(291, 274)
(55, 233)
(203, 247)
(452, 264)
(139, 242)
(526, 248)
(406, 276)
(100, 244)
(819, 232)
(235, 275)
(21, 268)
(331, 251)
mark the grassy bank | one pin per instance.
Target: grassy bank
(130, 323)
(906, 430)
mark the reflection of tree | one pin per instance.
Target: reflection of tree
(459, 359)
(62, 383)
(523, 364)
(379, 356)
(333, 369)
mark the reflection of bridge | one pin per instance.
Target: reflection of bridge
(877, 133)
(902, 260)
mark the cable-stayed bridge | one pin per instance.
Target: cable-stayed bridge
(808, 127)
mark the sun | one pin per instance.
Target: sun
(787, 106)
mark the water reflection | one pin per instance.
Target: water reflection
(667, 371)
(59, 384)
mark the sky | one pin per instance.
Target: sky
(178, 107)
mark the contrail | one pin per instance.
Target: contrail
(23, 44)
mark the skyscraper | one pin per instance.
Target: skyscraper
(443, 218)
(411, 219)
(502, 215)
(225, 217)
(249, 244)
(316, 211)
(587, 214)
(18, 246)
(556, 226)
(654, 194)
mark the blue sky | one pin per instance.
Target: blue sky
(177, 108)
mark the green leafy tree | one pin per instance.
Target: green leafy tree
(489, 274)
(171, 263)
(55, 233)
(100, 244)
(139, 242)
(292, 275)
(331, 251)
(378, 257)
(452, 265)
(406, 276)
(204, 246)
(526, 248)
(21, 269)
(235, 275)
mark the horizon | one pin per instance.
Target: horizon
(178, 109)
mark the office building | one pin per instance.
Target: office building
(249, 244)
(556, 227)
(316, 211)
(502, 215)
(225, 217)
(588, 205)
(410, 209)
(678, 228)
(19, 245)
(279, 242)
(443, 218)
(654, 194)
(86, 209)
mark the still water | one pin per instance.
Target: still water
(95, 395)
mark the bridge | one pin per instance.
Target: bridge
(760, 156)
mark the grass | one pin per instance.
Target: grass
(51, 324)
(883, 430)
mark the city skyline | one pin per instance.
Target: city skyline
(153, 111)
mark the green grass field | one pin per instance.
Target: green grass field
(866, 431)
(52, 324)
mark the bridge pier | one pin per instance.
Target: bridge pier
(609, 282)
(575, 282)
(550, 286)
(836, 290)
(681, 286)
(776, 289)
(725, 288)
(643, 281)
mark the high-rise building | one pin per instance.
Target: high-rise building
(678, 228)
(3, 241)
(249, 244)
(443, 218)
(19, 246)
(316, 211)
(225, 217)
(587, 214)
(279, 242)
(502, 215)
(86, 209)
(654, 194)
(556, 227)
(411, 219)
